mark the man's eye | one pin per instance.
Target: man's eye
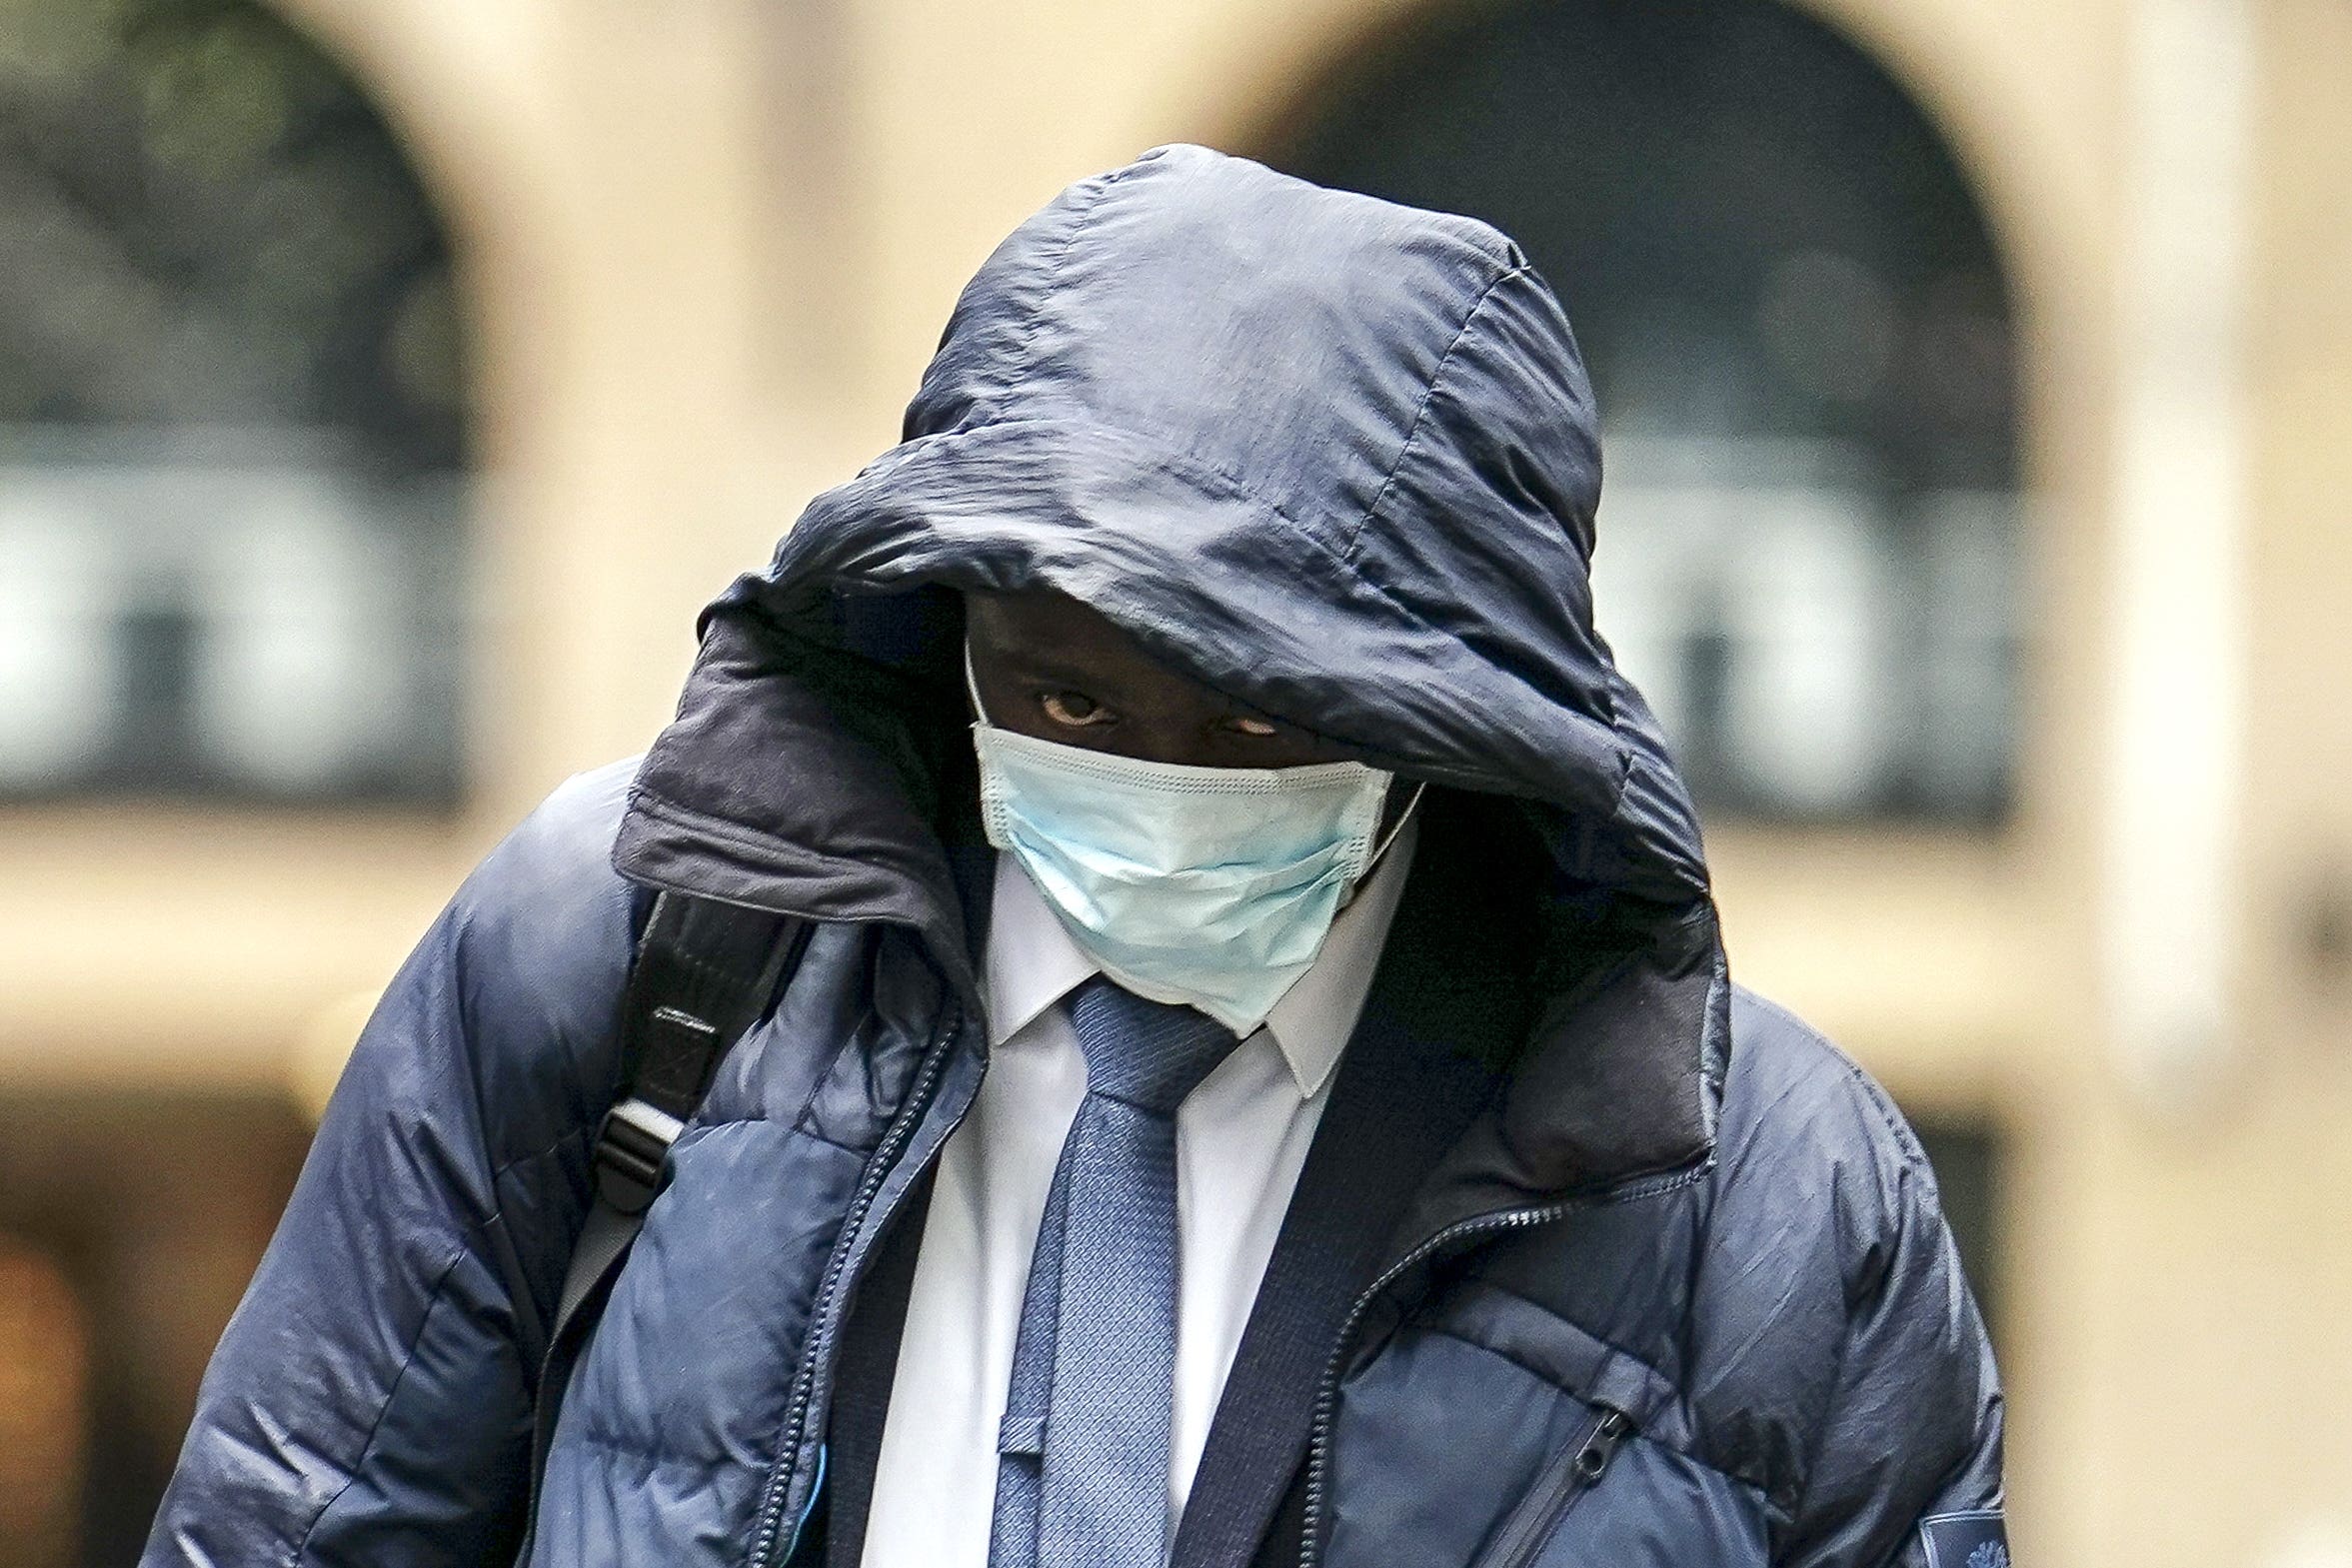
(1074, 709)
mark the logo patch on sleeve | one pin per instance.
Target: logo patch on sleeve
(1969, 1540)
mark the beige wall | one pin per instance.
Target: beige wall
(710, 246)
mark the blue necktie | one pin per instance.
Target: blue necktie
(1083, 1456)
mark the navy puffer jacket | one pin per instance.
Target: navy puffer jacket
(1668, 1284)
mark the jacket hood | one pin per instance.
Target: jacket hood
(1334, 457)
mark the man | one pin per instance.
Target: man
(1258, 1081)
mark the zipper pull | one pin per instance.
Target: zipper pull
(1593, 1458)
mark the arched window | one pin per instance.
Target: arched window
(232, 420)
(1799, 334)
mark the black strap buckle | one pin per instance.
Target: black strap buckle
(630, 1147)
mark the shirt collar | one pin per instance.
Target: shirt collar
(1032, 963)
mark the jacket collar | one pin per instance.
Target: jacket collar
(806, 780)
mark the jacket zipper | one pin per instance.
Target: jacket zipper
(1326, 1397)
(1578, 1472)
(770, 1546)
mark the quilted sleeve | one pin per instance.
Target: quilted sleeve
(1906, 1472)
(370, 1402)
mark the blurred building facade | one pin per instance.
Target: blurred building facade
(383, 388)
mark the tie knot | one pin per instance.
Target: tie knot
(1151, 1054)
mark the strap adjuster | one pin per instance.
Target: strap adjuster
(630, 1147)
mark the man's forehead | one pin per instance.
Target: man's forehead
(1039, 624)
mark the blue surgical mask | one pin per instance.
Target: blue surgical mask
(1209, 887)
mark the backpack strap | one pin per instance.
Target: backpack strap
(702, 974)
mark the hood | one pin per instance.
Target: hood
(1334, 457)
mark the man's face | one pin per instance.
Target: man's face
(1050, 668)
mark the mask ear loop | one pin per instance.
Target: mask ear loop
(1381, 851)
(979, 709)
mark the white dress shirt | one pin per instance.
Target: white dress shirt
(1241, 1139)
